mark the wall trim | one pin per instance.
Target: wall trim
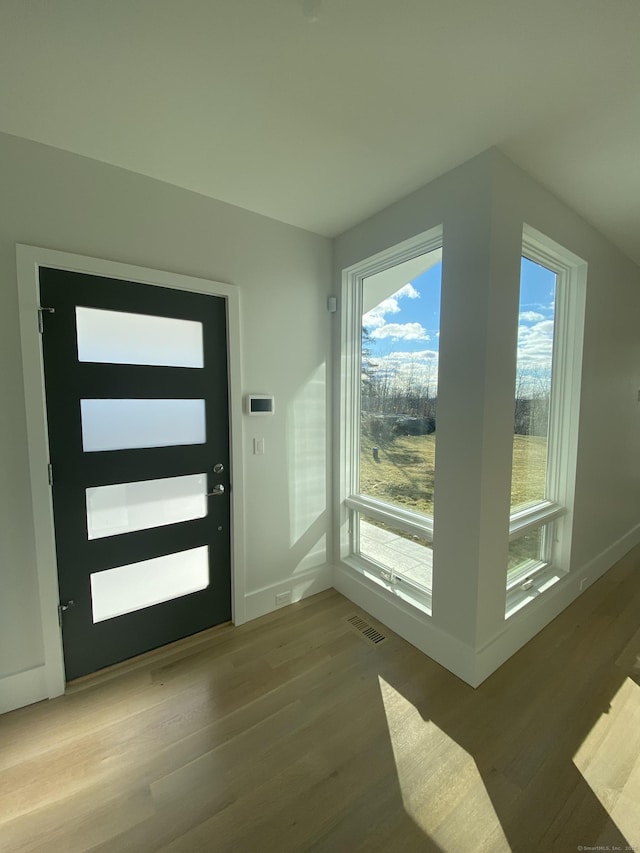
(413, 626)
(29, 260)
(475, 666)
(601, 564)
(529, 621)
(261, 601)
(23, 688)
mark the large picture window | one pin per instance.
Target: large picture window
(548, 359)
(392, 328)
(390, 361)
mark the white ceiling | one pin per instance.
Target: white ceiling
(322, 124)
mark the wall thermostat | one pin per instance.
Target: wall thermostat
(259, 404)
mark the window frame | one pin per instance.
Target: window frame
(554, 512)
(352, 503)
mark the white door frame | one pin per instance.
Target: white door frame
(29, 261)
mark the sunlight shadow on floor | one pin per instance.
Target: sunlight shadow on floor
(609, 760)
(446, 798)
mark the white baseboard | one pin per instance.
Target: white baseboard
(23, 688)
(475, 665)
(600, 564)
(263, 601)
(539, 613)
(409, 623)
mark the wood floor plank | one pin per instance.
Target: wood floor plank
(292, 733)
(79, 822)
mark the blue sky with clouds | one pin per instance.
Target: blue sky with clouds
(404, 327)
(535, 329)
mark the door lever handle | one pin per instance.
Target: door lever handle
(217, 490)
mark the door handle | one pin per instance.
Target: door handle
(217, 490)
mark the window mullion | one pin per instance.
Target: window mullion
(406, 520)
(529, 519)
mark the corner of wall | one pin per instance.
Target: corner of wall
(262, 601)
(23, 688)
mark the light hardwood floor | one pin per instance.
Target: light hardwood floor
(292, 733)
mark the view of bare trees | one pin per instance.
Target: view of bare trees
(531, 415)
(393, 402)
(398, 440)
(404, 402)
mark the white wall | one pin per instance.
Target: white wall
(61, 201)
(482, 206)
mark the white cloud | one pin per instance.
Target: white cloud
(535, 346)
(418, 356)
(401, 331)
(375, 318)
(530, 316)
(419, 367)
(408, 290)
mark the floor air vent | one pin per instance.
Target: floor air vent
(366, 631)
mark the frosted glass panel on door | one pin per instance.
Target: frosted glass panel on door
(117, 337)
(126, 589)
(128, 424)
(125, 507)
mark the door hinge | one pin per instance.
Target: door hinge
(41, 312)
(62, 607)
(50, 473)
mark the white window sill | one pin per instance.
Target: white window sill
(399, 588)
(524, 590)
(403, 519)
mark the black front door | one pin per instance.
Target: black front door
(137, 409)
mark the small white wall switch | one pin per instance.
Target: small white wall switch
(258, 446)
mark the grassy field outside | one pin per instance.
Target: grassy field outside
(405, 471)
